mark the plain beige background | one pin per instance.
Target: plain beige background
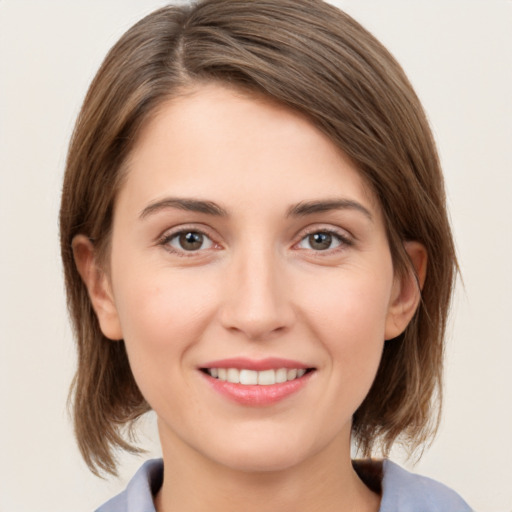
(458, 54)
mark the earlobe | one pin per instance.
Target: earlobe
(407, 288)
(98, 287)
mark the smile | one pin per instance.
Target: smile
(257, 383)
(252, 377)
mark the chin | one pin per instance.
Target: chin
(277, 454)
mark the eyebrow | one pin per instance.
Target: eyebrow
(308, 208)
(191, 205)
(301, 209)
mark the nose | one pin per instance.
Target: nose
(257, 301)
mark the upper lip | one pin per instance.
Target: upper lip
(243, 363)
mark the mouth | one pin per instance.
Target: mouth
(257, 382)
(247, 377)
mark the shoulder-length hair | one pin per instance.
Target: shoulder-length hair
(314, 59)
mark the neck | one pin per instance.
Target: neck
(326, 482)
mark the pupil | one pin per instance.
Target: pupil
(320, 241)
(191, 241)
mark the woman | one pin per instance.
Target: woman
(256, 247)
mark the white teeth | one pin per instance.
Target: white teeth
(251, 377)
(233, 375)
(248, 377)
(267, 377)
(290, 375)
(281, 375)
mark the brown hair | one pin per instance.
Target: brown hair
(317, 60)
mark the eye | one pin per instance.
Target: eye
(189, 241)
(322, 241)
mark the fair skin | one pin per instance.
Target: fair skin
(242, 232)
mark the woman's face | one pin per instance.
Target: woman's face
(246, 246)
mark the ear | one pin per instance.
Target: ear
(406, 294)
(98, 287)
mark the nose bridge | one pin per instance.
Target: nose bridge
(257, 302)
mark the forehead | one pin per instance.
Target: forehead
(216, 139)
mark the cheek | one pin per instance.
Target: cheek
(162, 318)
(152, 298)
(349, 318)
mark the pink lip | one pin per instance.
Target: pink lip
(269, 363)
(256, 395)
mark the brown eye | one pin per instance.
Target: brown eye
(189, 241)
(322, 241)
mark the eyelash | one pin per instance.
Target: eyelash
(165, 240)
(343, 239)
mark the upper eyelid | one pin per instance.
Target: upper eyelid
(324, 228)
(196, 228)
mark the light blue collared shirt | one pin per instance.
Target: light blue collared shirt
(401, 492)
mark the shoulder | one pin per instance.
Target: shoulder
(403, 491)
(138, 495)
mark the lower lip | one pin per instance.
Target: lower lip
(256, 395)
